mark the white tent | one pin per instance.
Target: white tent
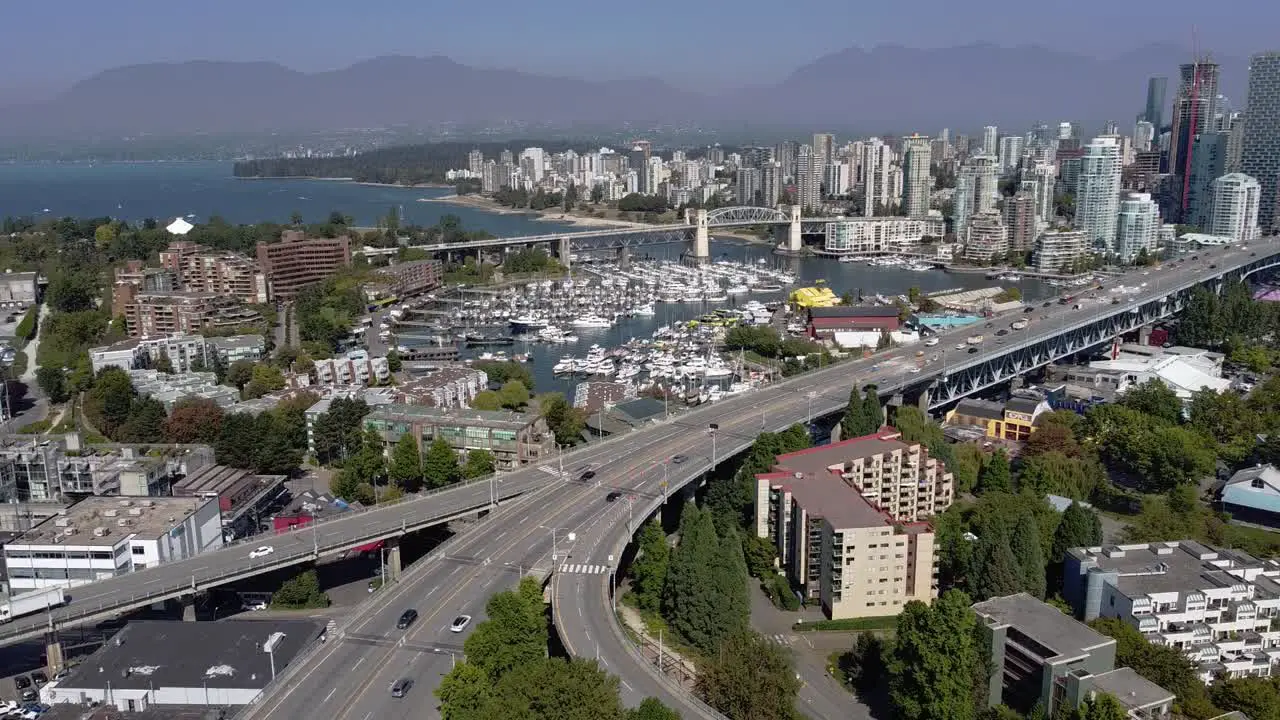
(179, 227)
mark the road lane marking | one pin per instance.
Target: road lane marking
(353, 667)
(326, 697)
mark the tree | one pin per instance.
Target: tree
(164, 364)
(237, 443)
(300, 592)
(479, 463)
(440, 464)
(690, 596)
(872, 413)
(649, 569)
(145, 422)
(53, 382)
(1163, 665)
(240, 373)
(108, 402)
(1000, 573)
(514, 395)
(337, 433)
(405, 469)
(749, 677)
(264, 379)
(487, 400)
(564, 420)
(514, 634)
(1025, 546)
(935, 655)
(864, 664)
(1051, 437)
(652, 709)
(276, 453)
(1055, 473)
(555, 688)
(994, 475)
(393, 361)
(194, 420)
(729, 584)
(851, 423)
(760, 554)
(1080, 527)
(1256, 697)
(966, 466)
(464, 692)
(1156, 399)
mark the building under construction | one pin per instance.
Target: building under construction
(1194, 107)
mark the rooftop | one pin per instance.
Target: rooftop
(209, 480)
(444, 415)
(105, 521)
(839, 311)
(1131, 689)
(166, 654)
(1168, 567)
(973, 407)
(1060, 636)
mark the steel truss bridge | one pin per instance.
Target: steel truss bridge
(638, 236)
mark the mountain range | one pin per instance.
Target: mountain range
(883, 89)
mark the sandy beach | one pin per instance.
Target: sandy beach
(482, 203)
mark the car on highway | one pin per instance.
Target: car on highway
(612, 496)
(1028, 309)
(1047, 303)
(677, 459)
(587, 475)
(261, 551)
(1002, 332)
(960, 346)
(973, 350)
(30, 695)
(406, 619)
(1213, 266)
(253, 607)
(460, 623)
(914, 370)
(930, 342)
(400, 688)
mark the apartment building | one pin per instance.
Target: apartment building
(185, 352)
(154, 314)
(408, 278)
(448, 387)
(513, 438)
(1012, 420)
(1220, 607)
(880, 234)
(1058, 251)
(356, 368)
(201, 269)
(1041, 657)
(99, 538)
(53, 468)
(298, 261)
(849, 521)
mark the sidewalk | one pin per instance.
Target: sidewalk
(670, 662)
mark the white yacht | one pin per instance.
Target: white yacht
(737, 290)
(528, 323)
(591, 320)
(566, 365)
(644, 310)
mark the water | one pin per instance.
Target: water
(135, 191)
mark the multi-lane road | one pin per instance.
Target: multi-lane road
(352, 676)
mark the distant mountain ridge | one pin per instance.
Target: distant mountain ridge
(883, 89)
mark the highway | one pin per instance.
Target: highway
(351, 676)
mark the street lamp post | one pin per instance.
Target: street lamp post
(811, 395)
(711, 430)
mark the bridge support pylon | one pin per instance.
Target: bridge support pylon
(564, 253)
(794, 244)
(701, 250)
(394, 567)
(624, 258)
(53, 653)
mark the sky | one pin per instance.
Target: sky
(46, 46)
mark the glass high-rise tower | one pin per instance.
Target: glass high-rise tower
(1260, 141)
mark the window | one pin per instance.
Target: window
(139, 550)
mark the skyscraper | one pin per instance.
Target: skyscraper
(1098, 192)
(475, 162)
(1208, 163)
(1193, 111)
(824, 147)
(1010, 153)
(916, 152)
(990, 138)
(638, 161)
(1156, 88)
(747, 188)
(835, 178)
(1137, 225)
(808, 178)
(976, 189)
(1144, 135)
(1045, 177)
(785, 153)
(771, 183)
(876, 160)
(1020, 220)
(1236, 199)
(1260, 144)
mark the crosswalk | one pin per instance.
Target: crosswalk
(580, 569)
(782, 639)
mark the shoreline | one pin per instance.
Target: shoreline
(479, 202)
(351, 180)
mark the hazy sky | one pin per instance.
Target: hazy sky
(693, 44)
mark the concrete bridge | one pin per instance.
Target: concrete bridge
(788, 228)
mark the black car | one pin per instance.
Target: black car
(1029, 309)
(22, 682)
(677, 459)
(1253, 254)
(587, 475)
(1213, 266)
(973, 350)
(401, 687)
(988, 325)
(1047, 303)
(1002, 333)
(39, 678)
(612, 496)
(406, 619)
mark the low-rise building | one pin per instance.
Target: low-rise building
(447, 387)
(1043, 658)
(824, 322)
(858, 235)
(356, 368)
(1219, 607)
(1060, 251)
(99, 538)
(849, 521)
(185, 352)
(1184, 370)
(1012, 420)
(156, 314)
(156, 664)
(298, 261)
(201, 269)
(18, 289)
(407, 279)
(231, 348)
(243, 498)
(1084, 383)
(170, 388)
(53, 468)
(1253, 495)
(513, 438)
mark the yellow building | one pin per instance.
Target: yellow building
(808, 297)
(1014, 420)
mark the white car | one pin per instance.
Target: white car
(253, 607)
(960, 346)
(263, 551)
(930, 342)
(460, 623)
(915, 370)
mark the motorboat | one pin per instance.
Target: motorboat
(591, 320)
(528, 323)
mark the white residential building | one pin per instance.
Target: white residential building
(1236, 200)
(1058, 250)
(357, 368)
(916, 154)
(1010, 153)
(986, 237)
(990, 140)
(1138, 226)
(877, 161)
(977, 187)
(880, 234)
(1219, 607)
(1098, 192)
(102, 537)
